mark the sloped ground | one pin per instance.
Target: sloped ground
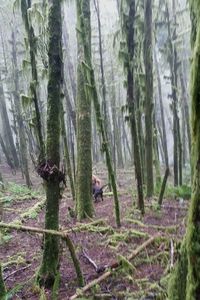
(20, 252)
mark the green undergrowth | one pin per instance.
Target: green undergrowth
(15, 192)
(171, 191)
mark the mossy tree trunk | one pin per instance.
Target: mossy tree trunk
(105, 110)
(128, 35)
(84, 156)
(173, 64)
(91, 93)
(66, 154)
(19, 115)
(116, 125)
(186, 111)
(7, 128)
(2, 286)
(185, 282)
(50, 261)
(148, 62)
(34, 85)
(161, 112)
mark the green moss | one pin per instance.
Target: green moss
(2, 286)
(177, 282)
(84, 156)
(50, 261)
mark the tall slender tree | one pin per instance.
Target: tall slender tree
(19, 116)
(173, 64)
(6, 126)
(25, 6)
(148, 62)
(84, 157)
(50, 260)
(128, 53)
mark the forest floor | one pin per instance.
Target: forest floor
(144, 277)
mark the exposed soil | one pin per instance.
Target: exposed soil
(21, 252)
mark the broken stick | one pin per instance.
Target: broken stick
(113, 267)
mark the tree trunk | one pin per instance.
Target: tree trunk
(186, 111)
(162, 112)
(130, 38)
(66, 155)
(25, 5)
(50, 261)
(148, 62)
(116, 125)
(6, 153)
(7, 128)
(162, 190)
(91, 92)
(19, 116)
(84, 157)
(185, 281)
(173, 70)
(3, 292)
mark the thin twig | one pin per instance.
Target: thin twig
(16, 271)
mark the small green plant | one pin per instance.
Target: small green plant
(5, 238)
(183, 191)
(16, 192)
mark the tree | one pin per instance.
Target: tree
(128, 53)
(6, 126)
(173, 64)
(19, 116)
(148, 62)
(92, 94)
(185, 281)
(84, 157)
(50, 170)
(25, 5)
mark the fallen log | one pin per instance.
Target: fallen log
(62, 235)
(112, 267)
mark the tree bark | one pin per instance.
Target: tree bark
(84, 203)
(25, 5)
(19, 116)
(185, 281)
(148, 63)
(50, 261)
(130, 38)
(7, 127)
(162, 112)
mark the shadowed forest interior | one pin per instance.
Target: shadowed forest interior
(100, 149)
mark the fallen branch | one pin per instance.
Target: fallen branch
(64, 236)
(16, 271)
(112, 267)
(53, 232)
(97, 269)
(158, 227)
